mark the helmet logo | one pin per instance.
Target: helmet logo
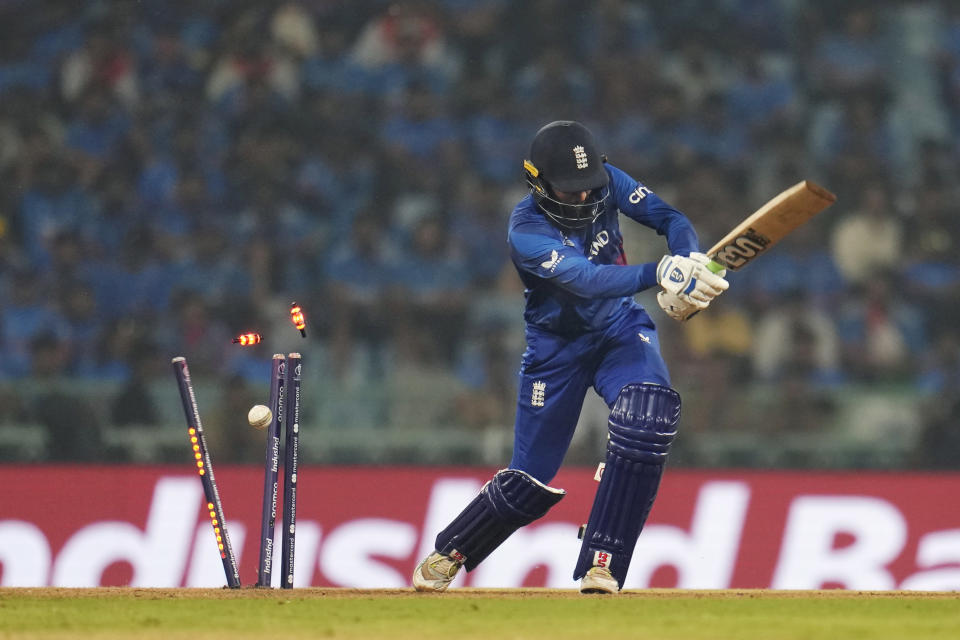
(581, 156)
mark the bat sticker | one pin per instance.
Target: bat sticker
(741, 249)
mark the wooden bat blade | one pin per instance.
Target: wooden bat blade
(770, 223)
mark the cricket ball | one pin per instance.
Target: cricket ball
(259, 416)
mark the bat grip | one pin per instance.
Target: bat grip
(715, 266)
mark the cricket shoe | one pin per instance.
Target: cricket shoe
(599, 580)
(435, 573)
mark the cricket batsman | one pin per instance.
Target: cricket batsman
(583, 329)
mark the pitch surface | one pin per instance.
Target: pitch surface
(474, 613)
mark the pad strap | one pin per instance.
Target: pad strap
(512, 499)
(642, 426)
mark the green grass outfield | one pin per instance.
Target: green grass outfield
(497, 614)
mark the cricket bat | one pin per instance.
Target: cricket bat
(768, 225)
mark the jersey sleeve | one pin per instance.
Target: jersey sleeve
(638, 202)
(539, 251)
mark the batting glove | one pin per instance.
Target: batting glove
(690, 280)
(676, 308)
(703, 259)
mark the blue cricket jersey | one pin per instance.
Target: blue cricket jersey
(578, 281)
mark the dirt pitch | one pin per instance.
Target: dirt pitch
(466, 613)
(468, 593)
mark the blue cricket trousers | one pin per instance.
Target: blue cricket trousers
(556, 372)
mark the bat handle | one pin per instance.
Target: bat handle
(715, 266)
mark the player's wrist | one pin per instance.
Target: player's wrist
(647, 276)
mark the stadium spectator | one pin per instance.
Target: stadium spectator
(795, 338)
(244, 445)
(135, 404)
(872, 217)
(430, 283)
(24, 318)
(850, 57)
(76, 302)
(406, 43)
(104, 60)
(358, 273)
(175, 168)
(880, 333)
(72, 423)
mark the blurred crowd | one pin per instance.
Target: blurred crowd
(174, 173)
